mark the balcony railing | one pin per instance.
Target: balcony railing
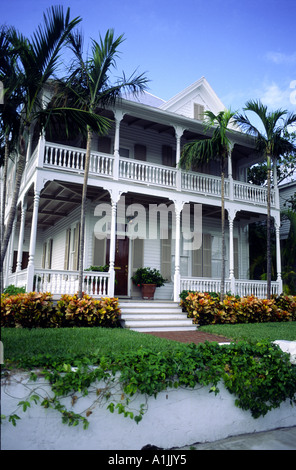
(62, 157)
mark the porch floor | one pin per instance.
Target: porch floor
(189, 336)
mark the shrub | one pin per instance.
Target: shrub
(148, 276)
(13, 290)
(27, 310)
(207, 309)
(73, 311)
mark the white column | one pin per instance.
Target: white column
(11, 247)
(230, 171)
(118, 115)
(179, 132)
(31, 266)
(177, 277)
(277, 223)
(231, 217)
(115, 196)
(21, 237)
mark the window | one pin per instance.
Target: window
(202, 258)
(198, 112)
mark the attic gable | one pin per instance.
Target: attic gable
(194, 100)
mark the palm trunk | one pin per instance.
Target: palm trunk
(83, 207)
(4, 188)
(18, 177)
(268, 229)
(222, 289)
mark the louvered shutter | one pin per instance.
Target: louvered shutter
(235, 258)
(140, 152)
(67, 249)
(76, 246)
(166, 256)
(199, 110)
(168, 156)
(104, 145)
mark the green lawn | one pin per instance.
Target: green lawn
(255, 331)
(70, 343)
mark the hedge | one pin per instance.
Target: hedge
(206, 309)
(36, 310)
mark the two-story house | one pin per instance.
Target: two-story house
(143, 210)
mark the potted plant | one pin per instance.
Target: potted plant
(148, 279)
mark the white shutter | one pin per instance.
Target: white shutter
(166, 256)
(67, 249)
(235, 258)
(99, 255)
(199, 110)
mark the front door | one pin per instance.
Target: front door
(120, 265)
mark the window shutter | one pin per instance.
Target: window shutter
(235, 258)
(44, 249)
(99, 257)
(207, 255)
(76, 246)
(199, 110)
(140, 152)
(166, 256)
(138, 252)
(202, 258)
(67, 249)
(168, 156)
(49, 256)
(104, 144)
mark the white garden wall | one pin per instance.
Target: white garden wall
(174, 419)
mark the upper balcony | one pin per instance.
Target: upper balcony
(61, 158)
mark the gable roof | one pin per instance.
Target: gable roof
(200, 92)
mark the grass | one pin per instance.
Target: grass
(70, 343)
(253, 332)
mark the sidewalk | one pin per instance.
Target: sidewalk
(277, 439)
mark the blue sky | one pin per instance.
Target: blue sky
(245, 49)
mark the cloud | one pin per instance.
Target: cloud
(281, 58)
(275, 97)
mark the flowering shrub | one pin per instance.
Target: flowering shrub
(29, 310)
(207, 309)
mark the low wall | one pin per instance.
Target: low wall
(174, 419)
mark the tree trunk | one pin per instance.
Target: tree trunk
(268, 229)
(222, 289)
(3, 195)
(83, 207)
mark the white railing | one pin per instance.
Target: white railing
(203, 285)
(203, 184)
(256, 288)
(241, 287)
(66, 282)
(148, 173)
(252, 193)
(72, 158)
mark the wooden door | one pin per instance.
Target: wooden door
(121, 264)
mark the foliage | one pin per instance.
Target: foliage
(206, 309)
(253, 332)
(13, 290)
(260, 376)
(29, 310)
(86, 311)
(102, 269)
(148, 276)
(32, 310)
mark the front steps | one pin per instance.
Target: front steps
(144, 316)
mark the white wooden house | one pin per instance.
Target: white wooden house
(133, 175)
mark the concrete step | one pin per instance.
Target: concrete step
(154, 316)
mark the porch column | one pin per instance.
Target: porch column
(21, 237)
(277, 223)
(118, 115)
(11, 249)
(179, 132)
(31, 265)
(231, 217)
(115, 196)
(177, 277)
(230, 178)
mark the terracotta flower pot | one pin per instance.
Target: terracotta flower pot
(148, 291)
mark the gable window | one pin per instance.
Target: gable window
(198, 111)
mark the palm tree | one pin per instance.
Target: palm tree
(273, 141)
(216, 147)
(37, 61)
(88, 88)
